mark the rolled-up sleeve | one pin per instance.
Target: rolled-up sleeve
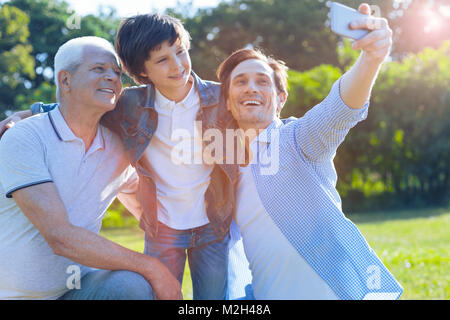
(322, 129)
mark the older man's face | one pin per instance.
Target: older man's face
(96, 82)
(252, 94)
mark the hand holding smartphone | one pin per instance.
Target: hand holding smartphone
(341, 17)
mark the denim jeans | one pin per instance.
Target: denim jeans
(111, 285)
(207, 257)
(248, 293)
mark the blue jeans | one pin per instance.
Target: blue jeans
(248, 293)
(111, 285)
(207, 257)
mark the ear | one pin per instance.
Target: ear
(281, 100)
(64, 80)
(227, 103)
(144, 73)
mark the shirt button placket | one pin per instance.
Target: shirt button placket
(174, 118)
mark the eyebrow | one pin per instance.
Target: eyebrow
(104, 64)
(240, 75)
(157, 58)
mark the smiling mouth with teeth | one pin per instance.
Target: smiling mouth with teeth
(251, 103)
(107, 90)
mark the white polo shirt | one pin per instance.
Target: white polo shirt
(175, 156)
(43, 149)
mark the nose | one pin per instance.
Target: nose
(111, 75)
(177, 64)
(251, 86)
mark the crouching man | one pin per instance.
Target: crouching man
(297, 240)
(59, 172)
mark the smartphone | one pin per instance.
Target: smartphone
(341, 17)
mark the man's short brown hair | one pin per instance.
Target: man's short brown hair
(138, 35)
(227, 66)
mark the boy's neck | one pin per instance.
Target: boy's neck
(177, 94)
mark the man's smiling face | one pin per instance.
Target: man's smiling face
(252, 97)
(96, 82)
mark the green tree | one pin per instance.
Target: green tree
(291, 30)
(400, 154)
(298, 31)
(51, 24)
(48, 29)
(308, 88)
(16, 62)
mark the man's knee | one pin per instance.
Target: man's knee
(126, 285)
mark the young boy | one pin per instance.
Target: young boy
(187, 205)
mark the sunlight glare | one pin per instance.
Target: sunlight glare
(434, 20)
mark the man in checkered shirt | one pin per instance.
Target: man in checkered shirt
(298, 242)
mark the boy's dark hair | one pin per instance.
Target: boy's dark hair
(138, 35)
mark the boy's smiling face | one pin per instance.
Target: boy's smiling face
(169, 69)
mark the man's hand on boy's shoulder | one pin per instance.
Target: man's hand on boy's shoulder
(12, 120)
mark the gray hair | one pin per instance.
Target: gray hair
(70, 55)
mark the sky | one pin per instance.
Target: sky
(131, 7)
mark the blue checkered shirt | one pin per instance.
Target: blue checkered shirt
(298, 190)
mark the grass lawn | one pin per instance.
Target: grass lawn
(413, 244)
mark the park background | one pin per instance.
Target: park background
(393, 168)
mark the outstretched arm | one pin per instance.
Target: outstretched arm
(357, 83)
(35, 108)
(323, 128)
(12, 119)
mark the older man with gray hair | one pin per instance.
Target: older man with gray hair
(59, 172)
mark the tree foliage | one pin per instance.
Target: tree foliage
(398, 156)
(290, 30)
(16, 61)
(50, 23)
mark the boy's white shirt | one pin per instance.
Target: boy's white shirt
(175, 158)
